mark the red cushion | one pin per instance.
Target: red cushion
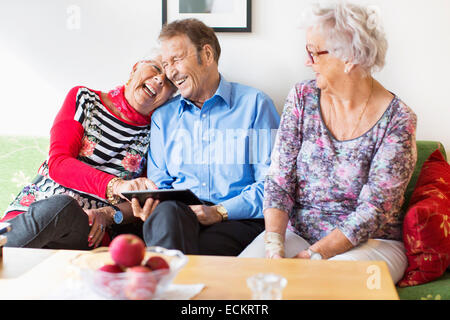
(426, 228)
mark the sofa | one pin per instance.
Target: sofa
(22, 156)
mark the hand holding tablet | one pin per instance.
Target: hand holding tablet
(183, 195)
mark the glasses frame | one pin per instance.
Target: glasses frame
(315, 54)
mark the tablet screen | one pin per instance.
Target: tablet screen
(185, 195)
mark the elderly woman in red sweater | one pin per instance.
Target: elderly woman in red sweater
(98, 146)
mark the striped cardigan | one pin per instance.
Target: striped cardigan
(89, 145)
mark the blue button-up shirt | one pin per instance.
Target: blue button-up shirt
(220, 151)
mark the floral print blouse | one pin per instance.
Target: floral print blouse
(86, 130)
(356, 185)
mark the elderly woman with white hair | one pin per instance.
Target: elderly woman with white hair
(98, 147)
(344, 153)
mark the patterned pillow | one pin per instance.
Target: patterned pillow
(426, 228)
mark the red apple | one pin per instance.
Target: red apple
(108, 281)
(141, 284)
(127, 250)
(157, 263)
(112, 268)
(138, 269)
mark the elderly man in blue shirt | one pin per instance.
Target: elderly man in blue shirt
(215, 138)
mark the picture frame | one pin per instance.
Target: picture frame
(221, 15)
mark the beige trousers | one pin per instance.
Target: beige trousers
(390, 251)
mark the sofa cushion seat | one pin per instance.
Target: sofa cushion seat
(438, 289)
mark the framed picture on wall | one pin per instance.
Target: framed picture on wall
(221, 15)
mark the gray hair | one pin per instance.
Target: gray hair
(152, 54)
(352, 32)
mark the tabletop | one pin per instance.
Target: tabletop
(35, 273)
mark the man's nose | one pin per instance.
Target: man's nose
(171, 73)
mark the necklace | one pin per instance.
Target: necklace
(360, 115)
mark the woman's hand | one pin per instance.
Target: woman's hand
(120, 186)
(273, 256)
(99, 220)
(329, 246)
(303, 255)
(274, 245)
(276, 222)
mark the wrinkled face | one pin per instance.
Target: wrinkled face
(180, 60)
(148, 87)
(328, 69)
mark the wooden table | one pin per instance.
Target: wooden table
(33, 273)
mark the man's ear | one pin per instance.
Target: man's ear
(208, 54)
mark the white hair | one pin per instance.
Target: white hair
(352, 32)
(153, 53)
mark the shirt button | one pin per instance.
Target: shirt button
(204, 116)
(204, 184)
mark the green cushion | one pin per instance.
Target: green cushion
(434, 290)
(20, 160)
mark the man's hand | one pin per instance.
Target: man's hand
(206, 215)
(143, 212)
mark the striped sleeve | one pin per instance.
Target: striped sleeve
(65, 143)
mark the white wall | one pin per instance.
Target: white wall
(42, 56)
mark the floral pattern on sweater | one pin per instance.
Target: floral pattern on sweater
(356, 185)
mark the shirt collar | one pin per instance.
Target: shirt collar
(223, 92)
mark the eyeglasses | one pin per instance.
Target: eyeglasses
(314, 54)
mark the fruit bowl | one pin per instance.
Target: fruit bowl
(135, 283)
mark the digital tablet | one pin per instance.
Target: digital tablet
(184, 195)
